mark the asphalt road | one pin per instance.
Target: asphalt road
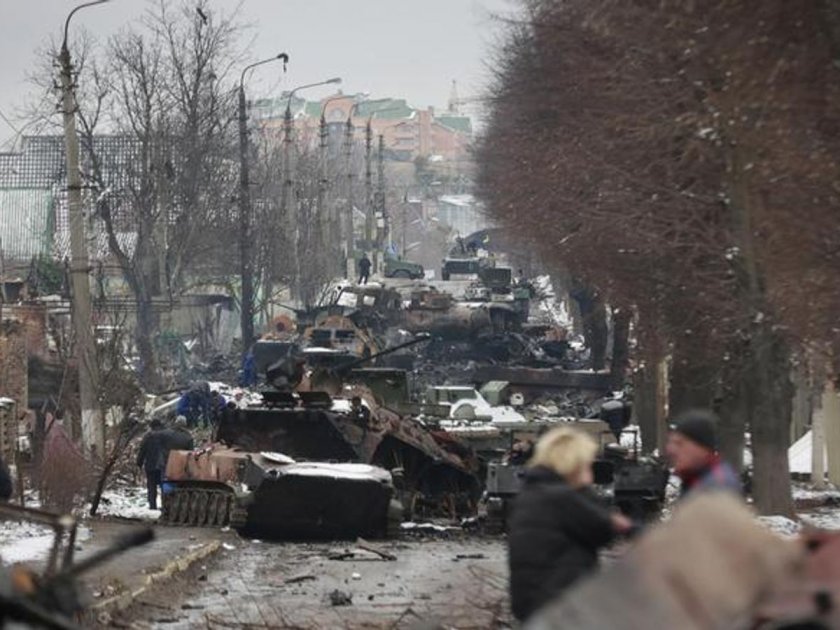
(455, 583)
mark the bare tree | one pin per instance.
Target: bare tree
(162, 89)
(668, 159)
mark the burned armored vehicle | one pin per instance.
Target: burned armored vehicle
(306, 463)
(283, 470)
(634, 484)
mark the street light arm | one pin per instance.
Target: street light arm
(72, 13)
(306, 87)
(246, 69)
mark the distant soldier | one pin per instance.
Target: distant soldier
(152, 456)
(364, 269)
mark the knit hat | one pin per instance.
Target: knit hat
(180, 421)
(699, 426)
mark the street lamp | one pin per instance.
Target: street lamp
(287, 176)
(246, 309)
(93, 429)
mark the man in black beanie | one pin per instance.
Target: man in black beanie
(692, 449)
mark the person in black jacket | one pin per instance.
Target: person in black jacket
(178, 437)
(152, 456)
(556, 527)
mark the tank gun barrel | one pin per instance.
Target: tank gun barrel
(421, 338)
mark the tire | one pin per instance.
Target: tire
(402, 273)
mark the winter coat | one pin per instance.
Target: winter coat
(154, 451)
(178, 440)
(718, 475)
(364, 265)
(555, 532)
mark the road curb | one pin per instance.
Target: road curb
(170, 570)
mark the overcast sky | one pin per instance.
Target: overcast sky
(402, 48)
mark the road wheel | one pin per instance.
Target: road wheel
(213, 507)
(182, 512)
(223, 513)
(202, 508)
(401, 273)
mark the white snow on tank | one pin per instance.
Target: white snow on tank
(358, 472)
(277, 458)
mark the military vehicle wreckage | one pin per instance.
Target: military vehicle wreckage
(306, 463)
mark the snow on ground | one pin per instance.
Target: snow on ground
(805, 492)
(780, 525)
(24, 542)
(822, 518)
(125, 502)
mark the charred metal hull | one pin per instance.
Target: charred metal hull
(306, 507)
(271, 496)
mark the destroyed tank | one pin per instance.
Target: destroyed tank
(633, 484)
(304, 464)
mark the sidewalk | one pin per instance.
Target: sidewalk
(115, 584)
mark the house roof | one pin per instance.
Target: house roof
(386, 108)
(26, 222)
(456, 123)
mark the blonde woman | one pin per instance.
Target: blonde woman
(556, 528)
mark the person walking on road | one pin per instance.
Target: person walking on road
(364, 269)
(692, 450)
(556, 527)
(152, 456)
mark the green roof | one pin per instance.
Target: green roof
(458, 123)
(388, 108)
(26, 222)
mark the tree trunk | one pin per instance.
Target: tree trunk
(771, 402)
(621, 346)
(694, 377)
(594, 315)
(648, 407)
(733, 411)
(147, 326)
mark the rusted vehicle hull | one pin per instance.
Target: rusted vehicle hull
(268, 495)
(274, 482)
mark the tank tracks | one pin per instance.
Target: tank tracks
(208, 507)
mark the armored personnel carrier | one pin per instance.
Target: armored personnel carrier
(304, 464)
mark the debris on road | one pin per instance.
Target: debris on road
(340, 598)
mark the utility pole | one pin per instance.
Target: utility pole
(246, 272)
(294, 228)
(84, 350)
(348, 222)
(324, 223)
(382, 228)
(369, 225)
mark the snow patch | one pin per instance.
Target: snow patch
(356, 472)
(780, 525)
(24, 542)
(129, 503)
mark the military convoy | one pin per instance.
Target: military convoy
(335, 447)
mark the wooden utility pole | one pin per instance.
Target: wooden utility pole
(93, 428)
